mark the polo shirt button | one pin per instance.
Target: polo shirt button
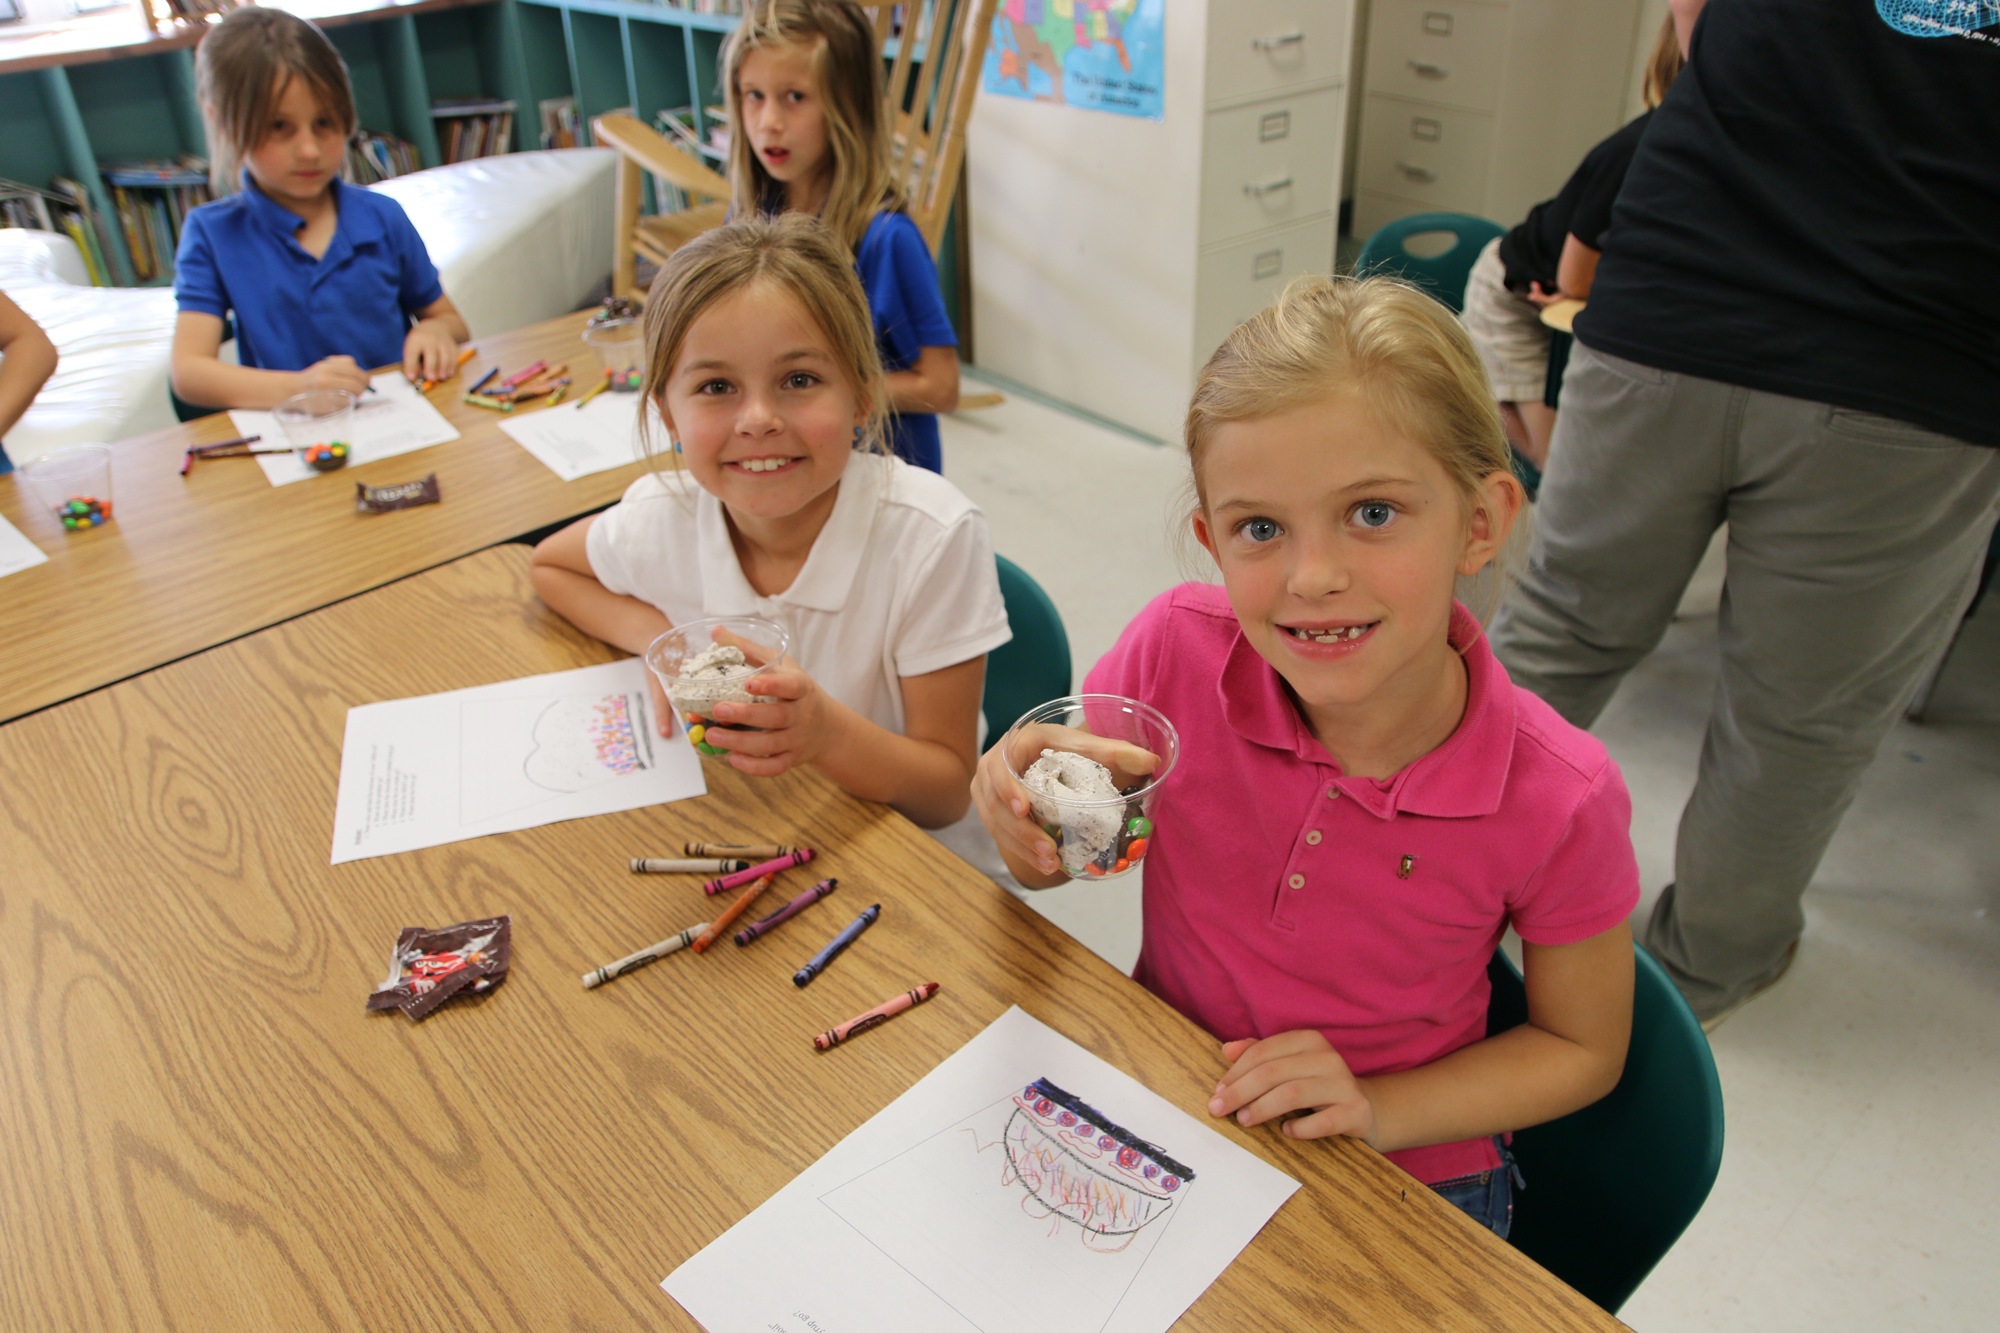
(1297, 881)
(1312, 839)
(1333, 793)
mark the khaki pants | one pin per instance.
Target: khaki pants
(1853, 544)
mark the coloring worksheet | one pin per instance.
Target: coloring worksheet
(394, 419)
(1022, 1186)
(575, 439)
(16, 551)
(445, 767)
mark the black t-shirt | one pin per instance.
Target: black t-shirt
(1532, 250)
(1815, 212)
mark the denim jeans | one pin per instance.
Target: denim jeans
(1487, 1197)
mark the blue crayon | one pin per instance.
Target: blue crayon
(785, 913)
(839, 942)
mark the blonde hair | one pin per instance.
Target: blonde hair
(839, 40)
(799, 256)
(1664, 65)
(240, 69)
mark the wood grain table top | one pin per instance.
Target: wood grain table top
(202, 1128)
(191, 562)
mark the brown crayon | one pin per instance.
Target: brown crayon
(748, 851)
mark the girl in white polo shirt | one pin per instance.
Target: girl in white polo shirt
(761, 358)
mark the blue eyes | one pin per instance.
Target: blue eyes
(1374, 514)
(1258, 530)
(1369, 516)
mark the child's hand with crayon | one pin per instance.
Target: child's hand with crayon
(335, 372)
(430, 350)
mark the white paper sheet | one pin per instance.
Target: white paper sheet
(17, 552)
(441, 768)
(977, 1202)
(574, 441)
(395, 419)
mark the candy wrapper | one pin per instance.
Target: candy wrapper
(408, 495)
(428, 967)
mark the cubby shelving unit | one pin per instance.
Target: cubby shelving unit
(69, 112)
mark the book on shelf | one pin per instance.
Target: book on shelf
(561, 127)
(151, 201)
(376, 157)
(472, 127)
(82, 224)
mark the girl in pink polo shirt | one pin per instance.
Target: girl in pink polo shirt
(1364, 802)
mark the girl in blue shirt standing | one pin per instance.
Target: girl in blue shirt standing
(324, 280)
(808, 135)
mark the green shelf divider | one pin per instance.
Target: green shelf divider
(409, 89)
(80, 162)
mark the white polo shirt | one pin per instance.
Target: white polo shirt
(900, 582)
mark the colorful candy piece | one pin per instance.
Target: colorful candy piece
(1140, 827)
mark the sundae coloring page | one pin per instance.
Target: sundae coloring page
(442, 768)
(1022, 1186)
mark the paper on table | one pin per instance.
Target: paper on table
(441, 768)
(574, 440)
(395, 419)
(16, 551)
(976, 1201)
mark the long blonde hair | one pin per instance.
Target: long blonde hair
(1663, 66)
(239, 68)
(800, 256)
(840, 42)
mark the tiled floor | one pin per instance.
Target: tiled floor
(1858, 1187)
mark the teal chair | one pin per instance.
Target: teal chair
(1387, 253)
(1610, 1188)
(1032, 667)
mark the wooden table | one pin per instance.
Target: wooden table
(203, 1129)
(190, 562)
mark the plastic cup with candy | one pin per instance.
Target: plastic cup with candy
(74, 483)
(319, 425)
(1093, 765)
(620, 343)
(698, 670)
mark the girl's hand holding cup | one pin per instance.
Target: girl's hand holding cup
(789, 725)
(1006, 806)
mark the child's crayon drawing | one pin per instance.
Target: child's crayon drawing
(520, 752)
(1037, 1212)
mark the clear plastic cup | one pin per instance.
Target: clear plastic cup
(319, 425)
(1099, 834)
(621, 345)
(693, 697)
(74, 483)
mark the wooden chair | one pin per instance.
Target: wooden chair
(933, 74)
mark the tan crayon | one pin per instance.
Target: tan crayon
(875, 1017)
(748, 851)
(631, 962)
(730, 913)
(654, 865)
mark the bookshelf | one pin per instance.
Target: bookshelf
(105, 91)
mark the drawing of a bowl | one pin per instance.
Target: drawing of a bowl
(1078, 1165)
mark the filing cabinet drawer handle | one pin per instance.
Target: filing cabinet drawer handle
(1437, 23)
(1416, 173)
(1267, 264)
(1427, 69)
(1257, 191)
(1278, 42)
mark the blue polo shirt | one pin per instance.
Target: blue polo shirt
(902, 286)
(241, 256)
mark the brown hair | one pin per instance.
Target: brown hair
(239, 70)
(847, 72)
(1664, 65)
(800, 256)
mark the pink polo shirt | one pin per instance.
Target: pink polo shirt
(1276, 898)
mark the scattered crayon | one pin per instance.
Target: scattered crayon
(875, 1017)
(766, 925)
(748, 851)
(481, 400)
(771, 867)
(595, 389)
(846, 937)
(562, 388)
(485, 380)
(730, 913)
(520, 377)
(632, 962)
(654, 865)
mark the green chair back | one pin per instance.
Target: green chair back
(1032, 667)
(1610, 1188)
(1443, 275)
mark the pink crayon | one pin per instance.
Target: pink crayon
(742, 877)
(786, 913)
(880, 1014)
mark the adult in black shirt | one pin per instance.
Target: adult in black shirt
(1795, 330)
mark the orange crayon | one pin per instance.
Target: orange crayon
(730, 913)
(875, 1017)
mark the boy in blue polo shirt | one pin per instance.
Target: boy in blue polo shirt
(325, 280)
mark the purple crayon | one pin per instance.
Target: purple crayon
(757, 872)
(785, 913)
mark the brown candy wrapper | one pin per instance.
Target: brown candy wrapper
(428, 967)
(408, 495)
